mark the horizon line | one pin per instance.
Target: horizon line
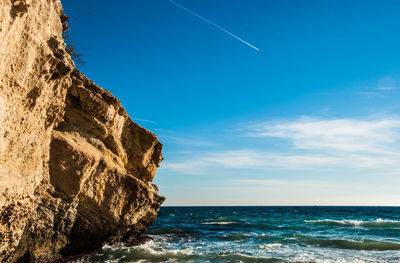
(280, 205)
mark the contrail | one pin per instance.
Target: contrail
(217, 26)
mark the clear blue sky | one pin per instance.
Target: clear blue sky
(311, 118)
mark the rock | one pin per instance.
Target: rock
(75, 170)
(19, 7)
(102, 165)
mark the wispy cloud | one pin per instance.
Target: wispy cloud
(338, 192)
(191, 141)
(344, 135)
(387, 88)
(313, 144)
(384, 87)
(197, 163)
(275, 183)
(200, 162)
(370, 94)
(143, 120)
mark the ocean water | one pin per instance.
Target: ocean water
(267, 234)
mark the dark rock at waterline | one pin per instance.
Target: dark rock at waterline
(137, 239)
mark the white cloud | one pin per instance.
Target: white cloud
(383, 87)
(272, 183)
(201, 162)
(304, 192)
(387, 88)
(191, 141)
(387, 84)
(344, 135)
(315, 144)
(253, 159)
(260, 159)
(370, 94)
(286, 192)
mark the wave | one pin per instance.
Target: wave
(233, 237)
(152, 252)
(378, 223)
(149, 252)
(176, 231)
(270, 246)
(243, 258)
(369, 245)
(155, 251)
(218, 223)
(263, 237)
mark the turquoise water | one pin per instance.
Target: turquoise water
(267, 234)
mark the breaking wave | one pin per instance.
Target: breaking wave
(369, 245)
(151, 252)
(218, 223)
(378, 223)
(266, 234)
(175, 231)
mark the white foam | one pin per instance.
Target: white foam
(340, 222)
(378, 221)
(153, 248)
(218, 223)
(271, 246)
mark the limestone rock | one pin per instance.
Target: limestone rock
(102, 165)
(75, 170)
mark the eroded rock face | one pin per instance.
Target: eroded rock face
(32, 94)
(102, 165)
(75, 171)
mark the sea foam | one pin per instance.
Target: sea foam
(378, 223)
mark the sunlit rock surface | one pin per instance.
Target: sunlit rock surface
(75, 171)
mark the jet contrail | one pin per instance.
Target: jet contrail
(217, 26)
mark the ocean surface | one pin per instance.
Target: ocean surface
(267, 234)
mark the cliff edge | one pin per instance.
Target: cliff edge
(75, 170)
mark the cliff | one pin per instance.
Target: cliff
(75, 170)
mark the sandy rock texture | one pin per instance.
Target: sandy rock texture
(75, 170)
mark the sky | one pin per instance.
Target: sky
(310, 118)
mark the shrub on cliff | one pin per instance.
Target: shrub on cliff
(71, 48)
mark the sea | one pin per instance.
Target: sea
(266, 234)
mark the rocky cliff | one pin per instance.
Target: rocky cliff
(75, 170)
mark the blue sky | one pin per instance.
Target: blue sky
(313, 118)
